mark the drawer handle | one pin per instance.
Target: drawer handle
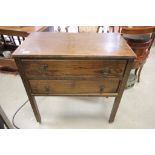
(105, 71)
(47, 89)
(44, 68)
(101, 89)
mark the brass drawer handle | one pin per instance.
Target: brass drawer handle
(44, 68)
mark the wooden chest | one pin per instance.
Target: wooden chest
(83, 64)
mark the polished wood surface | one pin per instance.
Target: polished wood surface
(65, 64)
(74, 45)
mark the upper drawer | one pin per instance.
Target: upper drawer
(47, 68)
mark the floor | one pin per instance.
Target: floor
(137, 108)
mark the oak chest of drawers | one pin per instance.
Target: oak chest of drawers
(83, 64)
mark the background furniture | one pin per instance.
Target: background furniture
(140, 39)
(10, 38)
(28, 29)
(97, 29)
(74, 64)
(88, 29)
(79, 29)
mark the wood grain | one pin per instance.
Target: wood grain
(58, 45)
(45, 68)
(74, 86)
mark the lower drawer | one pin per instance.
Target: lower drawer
(74, 86)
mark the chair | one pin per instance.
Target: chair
(88, 29)
(60, 29)
(111, 29)
(9, 41)
(140, 39)
(12, 38)
(78, 29)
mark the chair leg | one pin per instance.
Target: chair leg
(136, 71)
(139, 72)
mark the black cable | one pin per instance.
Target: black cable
(13, 118)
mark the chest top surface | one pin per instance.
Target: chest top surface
(48, 44)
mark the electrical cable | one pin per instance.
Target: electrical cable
(13, 118)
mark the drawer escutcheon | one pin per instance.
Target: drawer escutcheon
(47, 89)
(43, 68)
(105, 71)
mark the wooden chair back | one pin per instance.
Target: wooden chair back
(140, 46)
(88, 29)
(11, 39)
(80, 29)
(135, 30)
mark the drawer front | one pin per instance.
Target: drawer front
(44, 69)
(74, 86)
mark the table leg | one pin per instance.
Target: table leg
(28, 90)
(34, 108)
(120, 91)
(114, 109)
